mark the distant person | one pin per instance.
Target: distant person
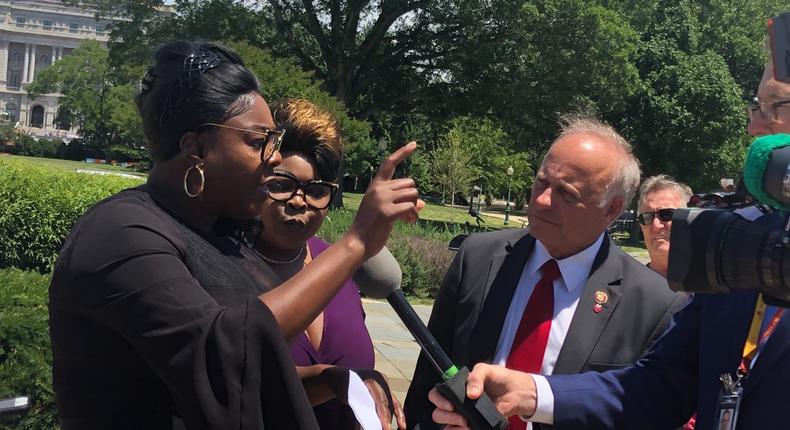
(659, 196)
(559, 297)
(300, 190)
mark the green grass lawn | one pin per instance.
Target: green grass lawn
(74, 165)
(434, 212)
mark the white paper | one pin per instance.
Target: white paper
(362, 403)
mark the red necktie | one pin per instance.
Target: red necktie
(529, 345)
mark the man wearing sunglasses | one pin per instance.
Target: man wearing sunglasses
(659, 196)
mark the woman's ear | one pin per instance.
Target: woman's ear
(191, 146)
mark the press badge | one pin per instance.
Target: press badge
(729, 403)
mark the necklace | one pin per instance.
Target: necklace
(273, 261)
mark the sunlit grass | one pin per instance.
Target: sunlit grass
(73, 165)
(435, 212)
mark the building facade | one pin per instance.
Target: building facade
(33, 35)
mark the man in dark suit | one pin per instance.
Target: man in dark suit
(683, 372)
(600, 310)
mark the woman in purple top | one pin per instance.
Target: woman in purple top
(299, 192)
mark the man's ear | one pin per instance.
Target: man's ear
(191, 146)
(615, 208)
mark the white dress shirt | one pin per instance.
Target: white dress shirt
(568, 287)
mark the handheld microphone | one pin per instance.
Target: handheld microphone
(380, 278)
(766, 171)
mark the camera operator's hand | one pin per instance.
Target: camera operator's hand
(513, 393)
(386, 201)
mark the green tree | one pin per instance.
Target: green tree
(521, 180)
(373, 55)
(451, 162)
(549, 57)
(688, 119)
(99, 106)
(282, 78)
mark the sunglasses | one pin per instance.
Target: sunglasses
(316, 194)
(664, 215)
(272, 142)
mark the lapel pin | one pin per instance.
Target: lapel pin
(600, 298)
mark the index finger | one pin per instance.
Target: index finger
(387, 168)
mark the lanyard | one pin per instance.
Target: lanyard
(755, 341)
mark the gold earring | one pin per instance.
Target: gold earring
(202, 181)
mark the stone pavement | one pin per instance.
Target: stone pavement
(396, 350)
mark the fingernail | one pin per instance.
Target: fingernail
(473, 390)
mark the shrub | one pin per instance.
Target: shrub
(25, 357)
(420, 249)
(28, 145)
(38, 207)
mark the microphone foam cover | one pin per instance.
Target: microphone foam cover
(756, 162)
(379, 276)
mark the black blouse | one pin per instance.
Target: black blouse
(156, 327)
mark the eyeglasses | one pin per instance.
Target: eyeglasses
(766, 110)
(274, 138)
(317, 194)
(664, 215)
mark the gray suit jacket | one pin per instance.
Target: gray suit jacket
(474, 298)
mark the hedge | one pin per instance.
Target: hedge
(38, 207)
(25, 357)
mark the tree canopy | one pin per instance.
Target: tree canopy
(671, 75)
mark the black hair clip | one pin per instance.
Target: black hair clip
(148, 79)
(195, 65)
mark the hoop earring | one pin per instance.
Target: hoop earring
(202, 181)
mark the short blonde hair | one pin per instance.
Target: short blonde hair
(625, 178)
(311, 131)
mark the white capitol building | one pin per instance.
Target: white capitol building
(33, 35)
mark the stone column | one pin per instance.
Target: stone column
(26, 63)
(33, 58)
(4, 45)
(53, 52)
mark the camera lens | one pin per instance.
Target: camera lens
(718, 251)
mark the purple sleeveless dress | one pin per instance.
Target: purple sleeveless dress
(345, 342)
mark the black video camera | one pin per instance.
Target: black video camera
(744, 246)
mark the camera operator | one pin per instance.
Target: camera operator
(725, 352)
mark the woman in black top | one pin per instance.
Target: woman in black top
(157, 320)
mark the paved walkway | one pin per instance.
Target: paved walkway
(515, 220)
(396, 350)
